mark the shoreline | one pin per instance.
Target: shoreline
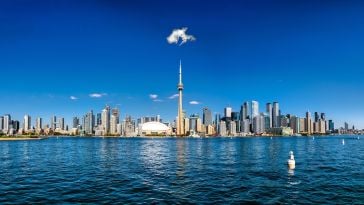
(19, 138)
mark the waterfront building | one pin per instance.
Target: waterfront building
(7, 122)
(154, 128)
(61, 123)
(245, 126)
(222, 128)
(27, 125)
(114, 120)
(267, 121)
(88, 123)
(280, 131)
(207, 116)
(98, 119)
(210, 130)
(38, 124)
(180, 121)
(1, 123)
(317, 116)
(346, 126)
(269, 110)
(227, 112)
(284, 121)
(193, 122)
(275, 115)
(75, 122)
(322, 125)
(186, 124)
(254, 109)
(14, 126)
(308, 124)
(323, 116)
(119, 129)
(53, 122)
(232, 128)
(294, 123)
(302, 125)
(105, 120)
(113, 124)
(244, 111)
(258, 124)
(331, 126)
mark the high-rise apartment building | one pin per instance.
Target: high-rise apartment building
(275, 115)
(207, 116)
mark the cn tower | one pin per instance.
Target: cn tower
(180, 121)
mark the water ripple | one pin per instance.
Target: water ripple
(182, 171)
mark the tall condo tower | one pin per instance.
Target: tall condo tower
(180, 121)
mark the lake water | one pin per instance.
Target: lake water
(182, 171)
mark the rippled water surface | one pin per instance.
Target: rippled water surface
(180, 171)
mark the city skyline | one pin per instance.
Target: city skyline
(66, 64)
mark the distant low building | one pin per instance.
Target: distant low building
(282, 131)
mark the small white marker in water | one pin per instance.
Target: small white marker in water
(271, 138)
(291, 162)
(313, 138)
(343, 142)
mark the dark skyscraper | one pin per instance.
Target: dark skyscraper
(317, 117)
(207, 116)
(269, 110)
(331, 125)
(245, 111)
(275, 115)
(98, 119)
(323, 117)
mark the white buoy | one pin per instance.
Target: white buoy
(291, 162)
(343, 142)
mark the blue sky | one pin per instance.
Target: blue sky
(307, 55)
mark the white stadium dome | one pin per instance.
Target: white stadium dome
(155, 128)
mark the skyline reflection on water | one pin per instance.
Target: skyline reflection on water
(173, 170)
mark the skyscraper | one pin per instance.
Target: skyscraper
(88, 123)
(53, 122)
(244, 111)
(27, 123)
(114, 120)
(61, 123)
(227, 112)
(105, 119)
(207, 116)
(1, 123)
(98, 119)
(275, 115)
(255, 109)
(38, 124)
(269, 111)
(180, 121)
(75, 122)
(7, 122)
(317, 117)
(308, 123)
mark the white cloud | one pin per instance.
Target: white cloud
(173, 96)
(153, 96)
(73, 98)
(157, 100)
(97, 95)
(194, 102)
(178, 34)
